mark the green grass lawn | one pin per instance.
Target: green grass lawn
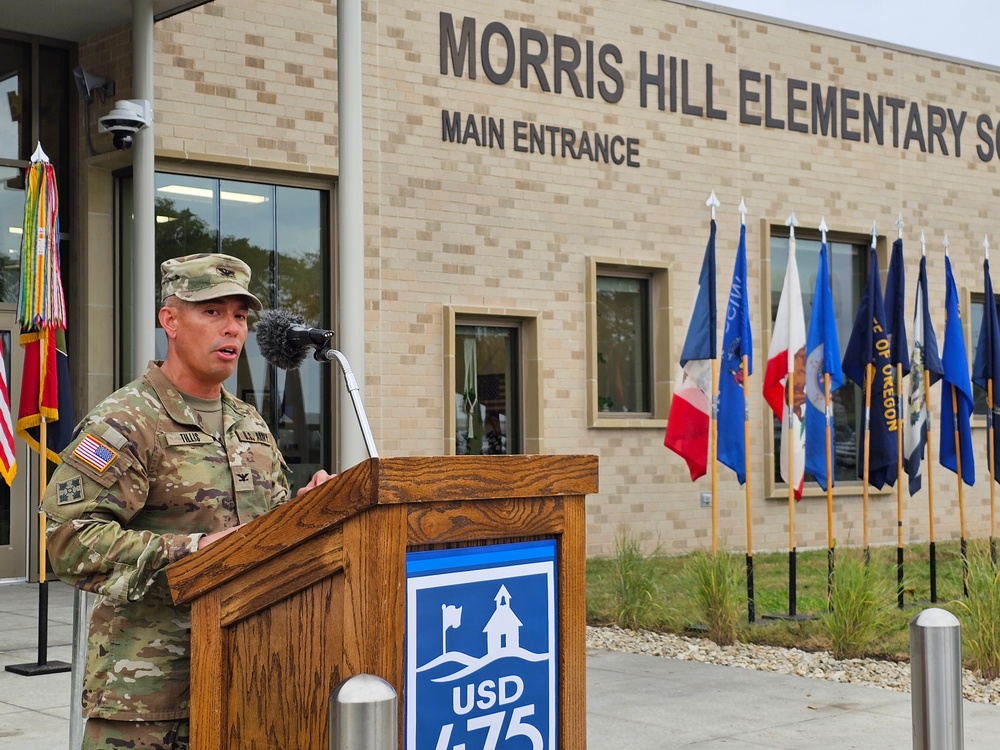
(666, 604)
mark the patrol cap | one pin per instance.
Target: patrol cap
(205, 276)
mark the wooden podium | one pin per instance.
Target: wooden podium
(315, 591)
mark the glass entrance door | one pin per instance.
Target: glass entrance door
(14, 516)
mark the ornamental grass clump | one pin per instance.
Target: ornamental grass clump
(634, 598)
(717, 595)
(861, 607)
(979, 614)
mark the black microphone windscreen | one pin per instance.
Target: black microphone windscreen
(272, 337)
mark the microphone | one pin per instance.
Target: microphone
(285, 340)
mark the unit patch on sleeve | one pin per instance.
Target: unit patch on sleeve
(70, 491)
(95, 453)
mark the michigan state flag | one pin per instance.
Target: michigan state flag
(956, 388)
(737, 341)
(822, 358)
(924, 357)
(869, 345)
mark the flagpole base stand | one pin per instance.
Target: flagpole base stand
(34, 669)
(790, 618)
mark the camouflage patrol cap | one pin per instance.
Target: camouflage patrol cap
(205, 276)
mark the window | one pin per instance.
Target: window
(495, 352)
(848, 274)
(976, 323)
(628, 381)
(487, 404)
(623, 374)
(281, 233)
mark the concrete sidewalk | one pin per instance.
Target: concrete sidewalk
(638, 702)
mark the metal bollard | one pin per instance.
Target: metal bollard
(363, 714)
(936, 680)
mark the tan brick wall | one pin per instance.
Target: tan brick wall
(461, 225)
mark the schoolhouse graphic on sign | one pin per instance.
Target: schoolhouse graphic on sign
(503, 639)
(503, 630)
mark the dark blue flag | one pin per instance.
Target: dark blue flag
(956, 390)
(923, 358)
(869, 345)
(986, 368)
(822, 358)
(737, 340)
(701, 340)
(895, 322)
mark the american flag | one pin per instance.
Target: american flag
(8, 461)
(94, 452)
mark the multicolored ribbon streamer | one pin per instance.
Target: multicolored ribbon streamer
(41, 304)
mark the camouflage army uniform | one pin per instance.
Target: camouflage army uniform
(137, 488)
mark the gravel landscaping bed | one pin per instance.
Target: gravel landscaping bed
(818, 665)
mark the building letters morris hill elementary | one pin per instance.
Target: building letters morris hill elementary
(584, 68)
(535, 178)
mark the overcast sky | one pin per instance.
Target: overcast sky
(966, 29)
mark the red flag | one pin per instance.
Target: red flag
(43, 392)
(786, 358)
(8, 461)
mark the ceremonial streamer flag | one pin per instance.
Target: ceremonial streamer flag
(986, 367)
(8, 461)
(689, 421)
(737, 341)
(45, 384)
(895, 323)
(822, 358)
(869, 345)
(923, 357)
(955, 413)
(786, 358)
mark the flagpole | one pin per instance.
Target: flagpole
(899, 456)
(992, 460)
(714, 456)
(44, 319)
(789, 405)
(713, 203)
(751, 605)
(930, 487)
(789, 401)
(929, 427)
(828, 408)
(991, 438)
(869, 376)
(961, 496)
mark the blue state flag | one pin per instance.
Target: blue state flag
(869, 345)
(956, 390)
(987, 365)
(822, 358)
(737, 341)
(895, 322)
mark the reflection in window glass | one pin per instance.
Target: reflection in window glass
(487, 404)
(11, 222)
(848, 273)
(623, 370)
(15, 102)
(279, 233)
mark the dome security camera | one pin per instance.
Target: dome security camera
(128, 117)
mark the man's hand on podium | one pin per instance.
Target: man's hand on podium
(317, 479)
(209, 538)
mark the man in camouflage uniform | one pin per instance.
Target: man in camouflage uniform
(160, 468)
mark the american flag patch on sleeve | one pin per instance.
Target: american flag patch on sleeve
(95, 453)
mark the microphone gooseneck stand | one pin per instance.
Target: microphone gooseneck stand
(327, 354)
